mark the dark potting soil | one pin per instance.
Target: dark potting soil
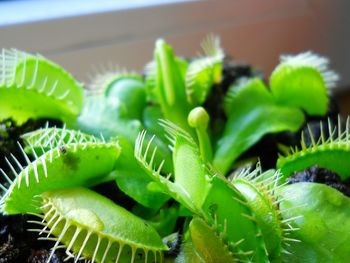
(18, 245)
(321, 175)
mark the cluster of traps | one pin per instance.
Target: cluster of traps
(184, 173)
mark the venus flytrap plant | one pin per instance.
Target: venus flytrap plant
(207, 195)
(118, 109)
(198, 119)
(170, 85)
(323, 234)
(131, 91)
(204, 71)
(207, 243)
(331, 153)
(247, 105)
(324, 225)
(64, 165)
(178, 85)
(114, 105)
(44, 139)
(122, 86)
(109, 117)
(33, 87)
(163, 184)
(222, 203)
(133, 181)
(260, 190)
(297, 79)
(294, 83)
(250, 217)
(126, 166)
(92, 227)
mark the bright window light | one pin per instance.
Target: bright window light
(23, 11)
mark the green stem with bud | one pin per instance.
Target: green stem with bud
(199, 120)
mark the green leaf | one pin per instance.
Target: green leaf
(151, 116)
(133, 180)
(259, 189)
(332, 153)
(188, 253)
(151, 78)
(208, 244)
(252, 113)
(227, 210)
(175, 190)
(321, 214)
(190, 172)
(170, 86)
(106, 117)
(44, 139)
(204, 71)
(91, 226)
(131, 92)
(34, 87)
(130, 177)
(165, 221)
(85, 163)
(301, 79)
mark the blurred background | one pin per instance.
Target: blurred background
(82, 35)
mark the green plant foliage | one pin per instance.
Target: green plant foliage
(321, 214)
(207, 195)
(248, 106)
(107, 117)
(170, 85)
(205, 71)
(45, 139)
(129, 90)
(164, 221)
(188, 253)
(198, 119)
(297, 79)
(34, 87)
(93, 227)
(190, 172)
(209, 244)
(222, 202)
(331, 153)
(178, 190)
(151, 116)
(151, 136)
(259, 189)
(138, 187)
(126, 166)
(85, 163)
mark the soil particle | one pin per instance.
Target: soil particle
(8, 251)
(42, 255)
